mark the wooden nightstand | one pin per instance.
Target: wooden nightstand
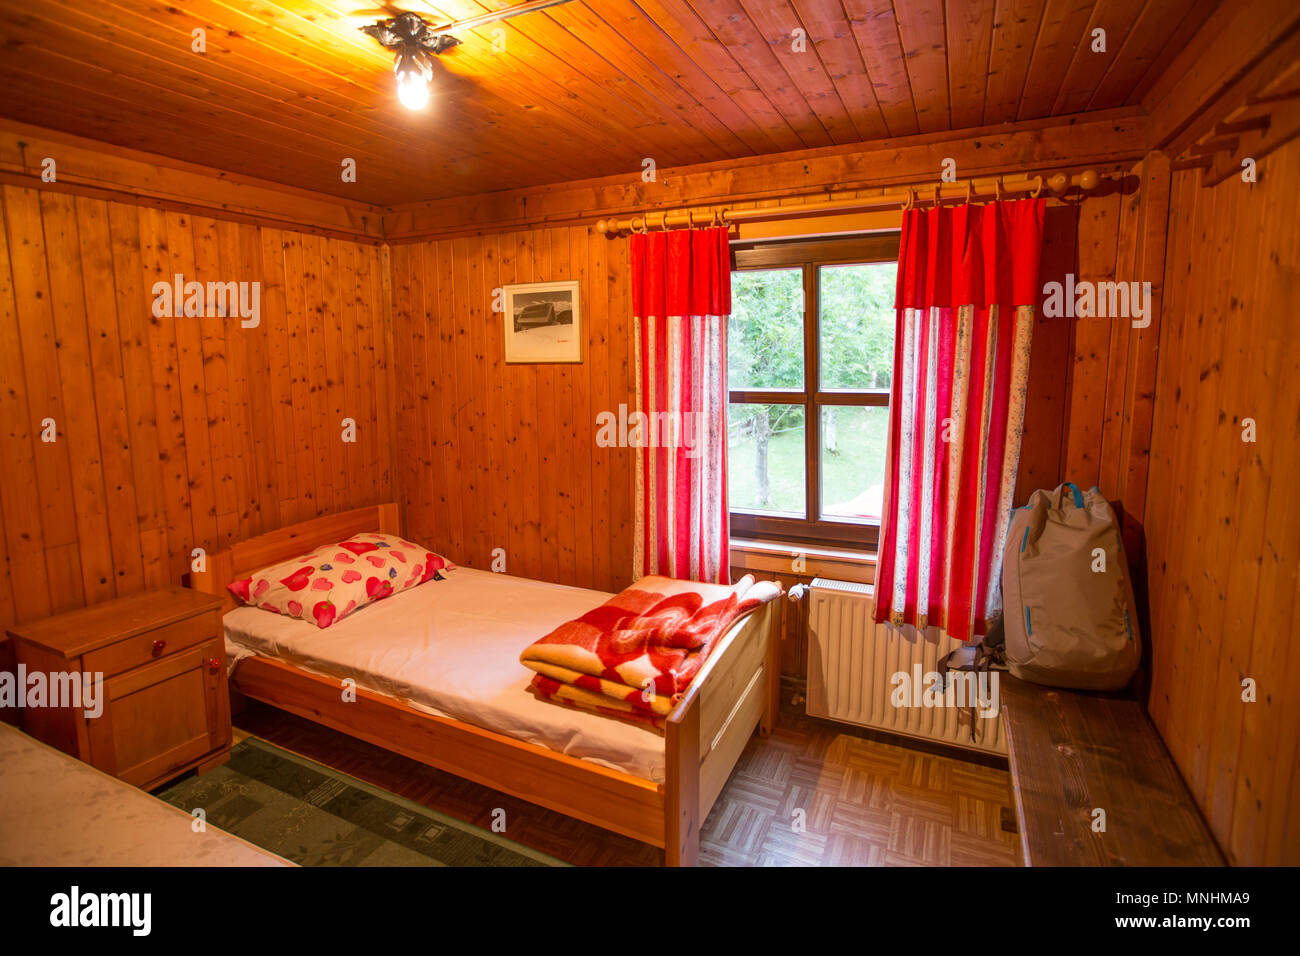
(165, 703)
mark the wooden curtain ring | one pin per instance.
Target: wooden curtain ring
(643, 230)
(938, 198)
(970, 188)
(911, 199)
(997, 189)
(690, 219)
(1038, 188)
(663, 223)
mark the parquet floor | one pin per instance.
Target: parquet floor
(812, 794)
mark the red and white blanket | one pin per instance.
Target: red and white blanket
(636, 654)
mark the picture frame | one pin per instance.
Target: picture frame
(542, 322)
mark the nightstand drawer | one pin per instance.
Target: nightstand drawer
(152, 645)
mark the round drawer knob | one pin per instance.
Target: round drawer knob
(158, 646)
(214, 665)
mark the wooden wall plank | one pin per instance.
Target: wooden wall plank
(174, 431)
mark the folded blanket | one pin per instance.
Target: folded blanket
(636, 654)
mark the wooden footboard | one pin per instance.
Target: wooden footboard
(737, 690)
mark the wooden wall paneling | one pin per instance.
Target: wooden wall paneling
(27, 257)
(96, 256)
(583, 420)
(20, 483)
(167, 399)
(565, 437)
(336, 377)
(497, 428)
(178, 241)
(529, 417)
(600, 329)
(623, 389)
(314, 292)
(1223, 530)
(216, 388)
(134, 318)
(462, 410)
(297, 335)
(275, 318)
(238, 375)
(477, 307)
(1266, 800)
(414, 395)
(509, 479)
(76, 384)
(1098, 236)
(258, 350)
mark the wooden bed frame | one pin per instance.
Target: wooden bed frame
(736, 691)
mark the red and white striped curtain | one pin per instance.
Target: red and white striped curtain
(967, 285)
(681, 296)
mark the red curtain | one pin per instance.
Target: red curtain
(681, 296)
(967, 284)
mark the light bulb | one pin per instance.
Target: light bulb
(412, 90)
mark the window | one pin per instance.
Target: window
(810, 359)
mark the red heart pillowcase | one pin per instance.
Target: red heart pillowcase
(333, 581)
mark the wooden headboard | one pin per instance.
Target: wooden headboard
(242, 559)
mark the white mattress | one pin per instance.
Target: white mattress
(452, 648)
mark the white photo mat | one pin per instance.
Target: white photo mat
(543, 322)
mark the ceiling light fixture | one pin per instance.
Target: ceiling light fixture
(414, 40)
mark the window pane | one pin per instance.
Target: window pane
(765, 332)
(853, 461)
(856, 324)
(765, 459)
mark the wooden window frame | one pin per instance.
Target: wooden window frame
(810, 255)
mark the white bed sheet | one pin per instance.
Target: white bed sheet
(452, 648)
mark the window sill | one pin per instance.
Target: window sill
(815, 561)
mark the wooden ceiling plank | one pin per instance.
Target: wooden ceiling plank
(182, 88)
(684, 29)
(921, 29)
(42, 95)
(835, 42)
(634, 26)
(1160, 26)
(1089, 68)
(969, 43)
(776, 21)
(222, 45)
(1015, 28)
(1061, 33)
(584, 75)
(584, 24)
(287, 35)
(876, 32)
(733, 28)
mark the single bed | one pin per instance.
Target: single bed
(438, 679)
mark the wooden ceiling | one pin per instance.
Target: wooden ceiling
(288, 88)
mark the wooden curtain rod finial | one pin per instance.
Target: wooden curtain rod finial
(1088, 180)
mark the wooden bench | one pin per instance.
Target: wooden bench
(1073, 752)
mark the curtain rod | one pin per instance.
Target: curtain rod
(904, 196)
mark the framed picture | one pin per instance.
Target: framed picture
(543, 322)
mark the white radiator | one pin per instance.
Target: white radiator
(852, 668)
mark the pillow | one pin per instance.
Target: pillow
(333, 581)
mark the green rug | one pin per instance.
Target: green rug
(316, 816)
